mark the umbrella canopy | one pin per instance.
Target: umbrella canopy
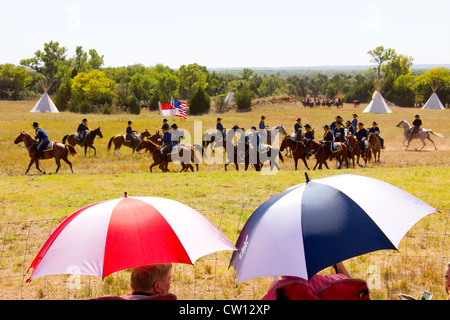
(316, 224)
(125, 233)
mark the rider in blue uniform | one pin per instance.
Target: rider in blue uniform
(339, 132)
(81, 130)
(262, 128)
(376, 130)
(220, 127)
(298, 129)
(309, 134)
(361, 136)
(355, 122)
(167, 143)
(328, 139)
(42, 139)
(131, 134)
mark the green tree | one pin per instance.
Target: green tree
(200, 102)
(437, 80)
(48, 63)
(14, 82)
(191, 77)
(380, 55)
(93, 88)
(243, 98)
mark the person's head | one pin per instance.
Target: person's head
(263, 117)
(152, 279)
(417, 116)
(325, 127)
(165, 126)
(348, 123)
(165, 121)
(447, 279)
(253, 129)
(130, 123)
(35, 125)
(360, 125)
(374, 124)
(355, 115)
(219, 119)
(299, 120)
(307, 127)
(174, 126)
(84, 121)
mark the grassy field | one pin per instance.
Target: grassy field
(425, 174)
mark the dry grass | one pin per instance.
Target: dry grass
(37, 197)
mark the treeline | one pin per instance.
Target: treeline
(81, 84)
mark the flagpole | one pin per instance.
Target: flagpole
(160, 114)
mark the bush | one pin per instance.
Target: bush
(199, 102)
(243, 98)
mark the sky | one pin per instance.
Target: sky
(226, 34)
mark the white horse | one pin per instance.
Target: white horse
(422, 134)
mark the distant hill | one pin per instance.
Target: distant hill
(308, 70)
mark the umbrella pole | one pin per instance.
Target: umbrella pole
(307, 178)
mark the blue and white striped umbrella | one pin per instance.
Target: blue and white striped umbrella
(319, 223)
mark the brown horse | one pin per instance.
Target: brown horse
(73, 140)
(238, 158)
(375, 145)
(182, 150)
(119, 140)
(58, 151)
(354, 150)
(321, 154)
(145, 144)
(298, 150)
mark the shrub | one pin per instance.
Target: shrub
(199, 102)
(243, 98)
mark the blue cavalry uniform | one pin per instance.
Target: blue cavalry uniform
(328, 139)
(361, 135)
(298, 129)
(131, 134)
(333, 125)
(41, 137)
(339, 132)
(220, 127)
(81, 130)
(355, 122)
(376, 130)
(262, 128)
(167, 142)
(309, 134)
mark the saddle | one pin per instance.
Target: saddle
(50, 146)
(77, 136)
(336, 147)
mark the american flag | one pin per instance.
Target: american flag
(181, 108)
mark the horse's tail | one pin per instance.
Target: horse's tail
(201, 150)
(369, 154)
(436, 133)
(71, 149)
(64, 139)
(281, 156)
(109, 143)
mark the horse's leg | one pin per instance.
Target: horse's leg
(429, 138)
(66, 160)
(37, 166)
(153, 164)
(306, 165)
(295, 161)
(29, 166)
(58, 164)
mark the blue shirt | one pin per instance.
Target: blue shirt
(262, 124)
(361, 133)
(82, 128)
(41, 135)
(297, 127)
(167, 137)
(328, 136)
(309, 135)
(219, 127)
(130, 131)
(374, 129)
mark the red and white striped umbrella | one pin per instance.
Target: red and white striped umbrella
(128, 232)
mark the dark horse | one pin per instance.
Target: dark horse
(145, 144)
(298, 150)
(321, 154)
(182, 150)
(58, 151)
(119, 140)
(73, 140)
(238, 158)
(354, 150)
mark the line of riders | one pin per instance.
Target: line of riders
(336, 132)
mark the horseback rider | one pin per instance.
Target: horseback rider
(350, 130)
(131, 134)
(167, 143)
(333, 125)
(262, 128)
(309, 134)
(361, 136)
(417, 123)
(328, 140)
(298, 129)
(339, 132)
(376, 130)
(176, 134)
(355, 122)
(81, 131)
(219, 126)
(42, 138)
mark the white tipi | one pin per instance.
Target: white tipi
(434, 102)
(377, 105)
(45, 103)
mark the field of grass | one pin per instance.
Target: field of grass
(35, 196)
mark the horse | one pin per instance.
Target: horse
(321, 154)
(422, 134)
(119, 140)
(354, 150)
(298, 150)
(145, 144)
(73, 140)
(274, 131)
(375, 145)
(239, 158)
(58, 151)
(154, 148)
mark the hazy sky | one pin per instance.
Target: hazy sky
(233, 33)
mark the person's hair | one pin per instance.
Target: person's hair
(143, 278)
